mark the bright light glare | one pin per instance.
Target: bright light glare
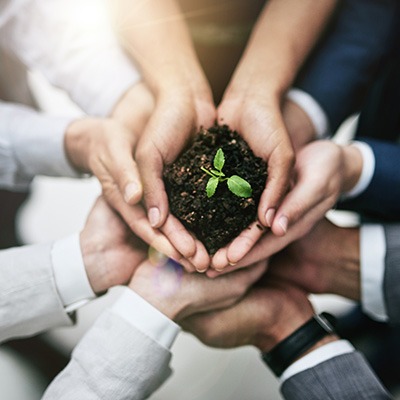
(90, 15)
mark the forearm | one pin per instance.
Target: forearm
(156, 36)
(113, 360)
(281, 40)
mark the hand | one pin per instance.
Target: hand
(327, 260)
(178, 294)
(105, 147)
(110, 251)
(258, 120)
(263, 318)
(323, 171)
(177, 116)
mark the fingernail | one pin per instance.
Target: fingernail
(283, 222)
(130, 191)
(269, 216)
(219, 269)
(201, 271)
(232, 263)
(154, 216)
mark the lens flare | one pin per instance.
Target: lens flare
(168, 277)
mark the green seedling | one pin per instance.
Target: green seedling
(237, 185)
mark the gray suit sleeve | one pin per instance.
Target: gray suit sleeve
(112, 361)
(29, 300)
(391, 280)
(346, 377)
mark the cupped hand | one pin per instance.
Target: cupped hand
(259, 121)
(323, 171)
(178, 115)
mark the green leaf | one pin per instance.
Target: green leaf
(212, 185)
(219, 160)
(239, 186)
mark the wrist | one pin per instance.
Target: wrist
(352, 167)
(327, 339)
(298, 124)
(93, 264)
(77, 140)
(312, 334)
(158, 290)
(292, 311)
(167, 305)
(184, 75)
(282, 330)
(343, 276)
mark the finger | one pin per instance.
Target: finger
(271, 244)
(151, 166)
(179, 237)
(212, 273)
(135, 217)
(299, 201)
(166, 135)
(201, 259)
(280, 165)
(219, 260)
(244, 243)
(267, 246)
(238, 248)
(124, 171)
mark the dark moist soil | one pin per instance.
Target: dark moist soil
(218, 219)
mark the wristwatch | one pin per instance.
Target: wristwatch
(288, 350)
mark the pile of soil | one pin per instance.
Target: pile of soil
(218, 219)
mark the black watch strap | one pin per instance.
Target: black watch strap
(286, 352)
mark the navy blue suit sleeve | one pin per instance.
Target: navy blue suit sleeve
(343, 65)
(381, 199)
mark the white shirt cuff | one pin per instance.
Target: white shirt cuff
(312, 108)
(318, 356)
(143, 316)
(70, 273)
(372, 260)
(367, 172)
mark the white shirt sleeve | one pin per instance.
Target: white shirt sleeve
(318, 356)
(372, 259)
(314, 111)
(367, 172)
(70, 274)
(31, 144)
(143, 316)
(72, 43)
